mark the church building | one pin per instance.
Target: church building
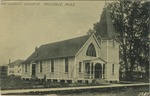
(84, 59)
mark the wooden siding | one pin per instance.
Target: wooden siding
(107, 52)
(82, 56)
(15, 70)
(110, 53)
(28, 73)
(59, 69)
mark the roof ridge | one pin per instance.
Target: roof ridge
(65, 48)
(16, 61)
(66, 40)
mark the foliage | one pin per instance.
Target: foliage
(3, 71)
(131, 22)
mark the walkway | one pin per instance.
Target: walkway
(70, 88)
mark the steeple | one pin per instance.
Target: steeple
(105, 27)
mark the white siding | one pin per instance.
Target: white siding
(110, 53)
(15, 70)
(107, 52)
(59, 69)
(82, 56)
(26, 74)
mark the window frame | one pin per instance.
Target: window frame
(91, 50)
(66, 65)
(52, 65)
(80, 67)
(40, 66)
(92, 66)
(26, 68)
(113, 69)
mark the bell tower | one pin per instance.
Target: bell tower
(109, 47)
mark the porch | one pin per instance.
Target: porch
(93, 69)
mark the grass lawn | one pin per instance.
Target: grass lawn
(14, 82)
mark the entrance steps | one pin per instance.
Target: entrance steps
(100, 81)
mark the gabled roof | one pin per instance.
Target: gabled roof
(105, 26)
(96, 58)
(17, 62)
(66, 48)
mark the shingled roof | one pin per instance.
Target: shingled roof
(66, 48)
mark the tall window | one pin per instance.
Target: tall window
(25, 67)
(41, 66)
(52, 65)
(92, 68)
(103, 68)
(113, 68)
(80, 67)
(91, 50)
(66, 65)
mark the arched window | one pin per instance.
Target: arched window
(91, 51)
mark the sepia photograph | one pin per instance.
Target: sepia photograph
(74, 47)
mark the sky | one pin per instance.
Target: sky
(23, 27)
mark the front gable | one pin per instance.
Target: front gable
(91, 42)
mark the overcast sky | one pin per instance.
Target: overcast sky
(24, 27)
